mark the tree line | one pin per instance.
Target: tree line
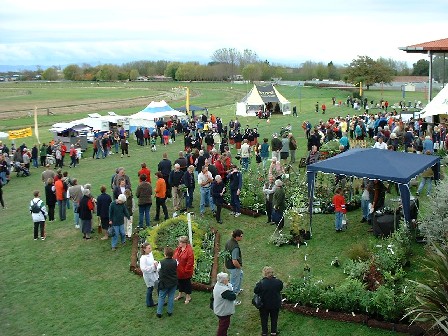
(230, 64)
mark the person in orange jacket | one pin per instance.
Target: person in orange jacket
(160, 193)
(60, 198)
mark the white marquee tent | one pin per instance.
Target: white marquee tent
(260, 95)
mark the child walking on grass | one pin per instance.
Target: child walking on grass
(339, 208)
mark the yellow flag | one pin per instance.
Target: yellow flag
(36, 126)
(187, 102)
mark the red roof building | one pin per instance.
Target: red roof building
(430, 48)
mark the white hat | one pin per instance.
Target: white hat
(122, 198)
(278, 183)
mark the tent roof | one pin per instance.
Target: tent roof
(155, 107)
(192, 108)
(439, 105)
(157, 115)
(261, 94)
(155, 110)
(375, 163)
(74, 125)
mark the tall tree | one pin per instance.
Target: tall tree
(50, 74)
(248, 57)
(364, 69)
(171, 69)
(421, 68)
(228, 56)
(251, 72)
(73, 72)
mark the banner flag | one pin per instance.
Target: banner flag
(21, 133)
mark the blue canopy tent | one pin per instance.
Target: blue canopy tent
(373, 164)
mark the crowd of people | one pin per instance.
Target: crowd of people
(205, 163)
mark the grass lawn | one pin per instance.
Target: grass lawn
(68, 286)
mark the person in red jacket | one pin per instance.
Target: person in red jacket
(339, 208)
(185, 267)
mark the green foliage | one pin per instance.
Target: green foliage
(331, 147)
(167, 233)
(251, 195)
(356, 269)
(305, 291)
(280, 238)
(393, 252)
(351, 294)
(359, 251)
(434, 223)
(432, 292)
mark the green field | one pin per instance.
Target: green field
(68, 286)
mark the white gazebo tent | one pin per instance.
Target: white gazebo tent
(151, 113)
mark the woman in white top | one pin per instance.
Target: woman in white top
(150, 274)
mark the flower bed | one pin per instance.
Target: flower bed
(375, 286)
(205, 247)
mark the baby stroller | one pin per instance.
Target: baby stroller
(50, 159)
(20, 169)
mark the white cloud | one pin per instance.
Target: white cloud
(288, 31)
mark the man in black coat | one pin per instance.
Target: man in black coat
(164, 167)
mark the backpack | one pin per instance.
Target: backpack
(36, 208)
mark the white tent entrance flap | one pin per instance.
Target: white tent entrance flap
(437, 106)
(263, 97)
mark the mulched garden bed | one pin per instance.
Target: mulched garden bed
(354, 318)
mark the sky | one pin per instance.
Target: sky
(285, 32)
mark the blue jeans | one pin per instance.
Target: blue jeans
(338, 220)
(62, 209)
(149, 300)
(189, 198)
(236, 278)
(235, 201)
(119, 230)
(75, 213)
(99, 153)
(116, 147)
(428, 182)
(163, 293)
(143, 211)
(245, 163)
(206, 197)
(3, 177)
(365, 209)
(35, 163)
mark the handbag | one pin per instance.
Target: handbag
(257, 302)
(110, 231)
(276, 216)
